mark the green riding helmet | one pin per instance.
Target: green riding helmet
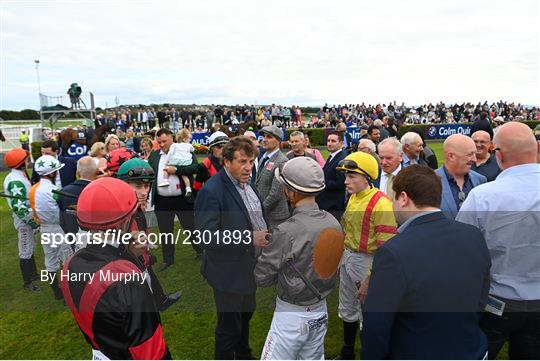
(136, 170)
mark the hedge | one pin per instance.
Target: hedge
(35, 149)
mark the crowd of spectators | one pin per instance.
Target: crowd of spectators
(199, 118)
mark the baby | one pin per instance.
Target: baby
(180, 155)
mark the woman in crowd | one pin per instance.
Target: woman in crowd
(111, 143)
(314, 151)
(129, 139)
(146, 148)
(98, 152)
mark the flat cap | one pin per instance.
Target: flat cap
(302, 174)
(273, 131)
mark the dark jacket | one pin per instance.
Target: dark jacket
(67, 173)
(333, 196)
(219, 208)
(428, 286)
(482, 124)
(187, 170)
(68, 221)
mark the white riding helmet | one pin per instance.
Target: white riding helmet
(47, 164)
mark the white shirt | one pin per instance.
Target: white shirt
(507, 211)
(332, 155)
(269, 155)
(46, 207)
(384, 178)
(173, 189)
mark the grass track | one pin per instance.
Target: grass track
(35, 326)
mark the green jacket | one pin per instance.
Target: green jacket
(188, 170)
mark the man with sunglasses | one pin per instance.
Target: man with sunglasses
(456, 175)
(368, 222)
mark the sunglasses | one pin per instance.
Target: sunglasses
(145, 174)
(461, 197)
(348, 165)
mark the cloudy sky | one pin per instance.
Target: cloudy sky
(278, 51)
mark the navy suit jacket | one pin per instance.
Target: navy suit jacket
(428, 287)
(68, 173)
(68, 221)
(448, 204)
(219, 208)
(333, 196)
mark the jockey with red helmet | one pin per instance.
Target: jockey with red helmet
(108, 288)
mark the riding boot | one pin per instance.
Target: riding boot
(349, 338)
(26, 270)
(55, 288)
(33, 267)
(163, 301)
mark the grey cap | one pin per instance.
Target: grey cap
(272, 130)
(303, 175)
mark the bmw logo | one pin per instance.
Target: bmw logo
(432, 131)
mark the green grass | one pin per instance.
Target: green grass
(35, 326)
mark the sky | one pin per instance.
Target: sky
(280, 51)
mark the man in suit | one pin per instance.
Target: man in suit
(347, 138)
(66, 174)
(457, 177)
(170, 201)
(271, 189)
(332, 199)
(228, 205)
(412, 148)
(87, 168)
(391, 156)
(429, 283)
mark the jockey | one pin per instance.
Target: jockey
(111, 299)
(140, 175)
(17, 188)
(47, 213)
(302, 259)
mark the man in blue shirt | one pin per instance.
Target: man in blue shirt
(507, 212)
(457, 177)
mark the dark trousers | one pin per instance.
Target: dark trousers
(519, 325)
(234, 311)
(166, 209)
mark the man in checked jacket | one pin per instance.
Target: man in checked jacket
(270, 189)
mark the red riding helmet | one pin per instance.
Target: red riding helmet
(15, 157)
(106, 203)
(117, 157)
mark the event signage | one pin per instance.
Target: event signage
(445, 130)
(77, 150)
(204, 138)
